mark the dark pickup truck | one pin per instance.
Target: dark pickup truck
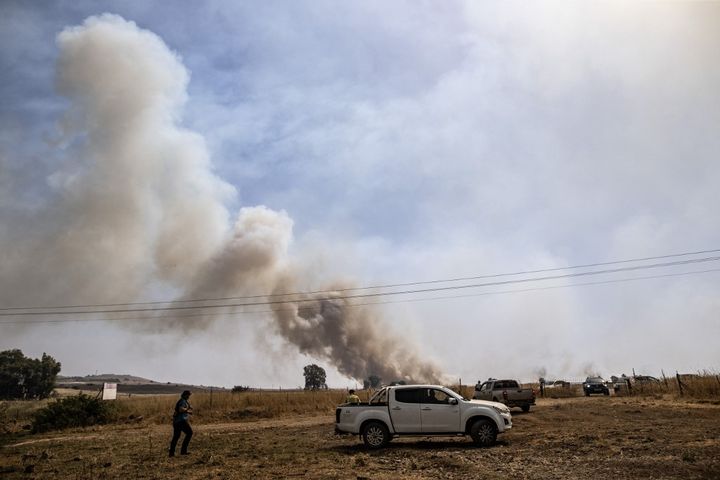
(508, 392)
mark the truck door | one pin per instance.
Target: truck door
(514, 391)
(405, 410)
(438, 413)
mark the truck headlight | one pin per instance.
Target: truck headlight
(501, 410)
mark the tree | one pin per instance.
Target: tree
(314, 377)
(24, 377)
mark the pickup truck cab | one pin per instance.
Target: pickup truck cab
(508, 392)
(422, 410)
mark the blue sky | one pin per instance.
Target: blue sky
(419, 141)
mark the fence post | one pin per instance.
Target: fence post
(680, 385)
(664, 379)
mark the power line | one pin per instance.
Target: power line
(370, 295)
(373, 287)
(352, 305)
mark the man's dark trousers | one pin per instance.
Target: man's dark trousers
(181, 426)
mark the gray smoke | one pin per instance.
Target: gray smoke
(351, 337)
(134, 207)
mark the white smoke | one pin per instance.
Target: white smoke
(135, 207)
(136, 201)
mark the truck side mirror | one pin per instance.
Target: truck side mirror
(453, 401)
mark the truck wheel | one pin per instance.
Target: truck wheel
(495, 399)
(375, 435)
(483, 432)
(525, 408)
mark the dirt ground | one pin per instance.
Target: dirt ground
(596, 437)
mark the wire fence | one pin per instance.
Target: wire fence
(689, 385)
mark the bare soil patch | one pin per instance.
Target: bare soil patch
(609, 437)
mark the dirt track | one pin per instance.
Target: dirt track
(566, 438)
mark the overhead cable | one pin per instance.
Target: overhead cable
(368, 295)
(351, 305)
(372, 287)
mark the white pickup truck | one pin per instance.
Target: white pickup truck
(422, 410)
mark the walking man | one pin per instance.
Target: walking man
(181, 424)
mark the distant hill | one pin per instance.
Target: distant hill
(107, 377)
(129, 384)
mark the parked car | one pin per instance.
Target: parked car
(422, 410)
(508, 392)
(595, 385)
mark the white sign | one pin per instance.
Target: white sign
(109, 391)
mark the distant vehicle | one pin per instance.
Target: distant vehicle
(508, 392)
(422, 410)
(645, 380)
(558, 384)
(620, 385)
(625, 384)
(595, 385)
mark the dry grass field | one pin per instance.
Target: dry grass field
(288, 435)
(15, 416)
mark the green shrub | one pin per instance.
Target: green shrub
(76, 411)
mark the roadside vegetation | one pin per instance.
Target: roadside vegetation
(77, 411)
(698, 386)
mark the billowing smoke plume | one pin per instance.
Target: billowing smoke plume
(136, 208)
(351, 337)
(134, 202)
